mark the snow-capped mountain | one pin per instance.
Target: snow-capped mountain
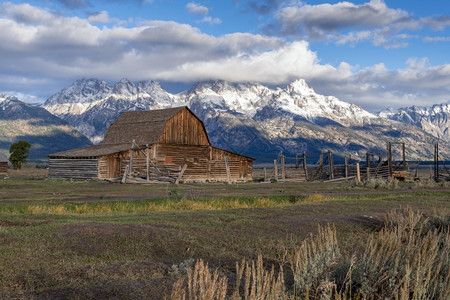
(247, 118)
(45, 132)
(432, 119)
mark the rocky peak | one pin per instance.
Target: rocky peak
(81, 91)
(125, 87)
(149, 86)
(299, 86)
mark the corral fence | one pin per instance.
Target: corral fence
(323, 168)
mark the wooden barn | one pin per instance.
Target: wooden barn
(165, 144)
(3, 163)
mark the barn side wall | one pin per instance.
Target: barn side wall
(3, 167)
(203, 162)
(184, 128)
(73, 168)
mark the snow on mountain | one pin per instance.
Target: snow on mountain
(433, 119)
(248, 118)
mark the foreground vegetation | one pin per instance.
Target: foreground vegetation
(94, 240)
(408, 259)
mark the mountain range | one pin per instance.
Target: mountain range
(433, 119)
(45, 132)
(255, 120)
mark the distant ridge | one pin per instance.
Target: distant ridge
(45, 132)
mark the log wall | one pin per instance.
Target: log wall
(204, 163)
(3, 167)
(73, 168)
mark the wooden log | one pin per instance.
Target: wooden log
(228, 169)
(275, 167)
(125, 174)
(147, 160)
(340, 179)
(181, 174)
(305, 166)
(346, 166)
(331, 164)
(358, 174)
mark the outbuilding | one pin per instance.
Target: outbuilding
(164, 144)
(3, 163)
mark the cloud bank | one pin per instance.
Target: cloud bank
(41, 48)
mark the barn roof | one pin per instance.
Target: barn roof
(145, 127)
(3, 157)
(93, 151)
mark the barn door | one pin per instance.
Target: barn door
(113, 166)
(243, 169)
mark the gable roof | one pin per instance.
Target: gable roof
(145, 127)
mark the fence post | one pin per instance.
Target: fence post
(265, 175)
(358, 173)
(346, 166)
(275, 167)
(331, 164)
(296, 160)
(305, 168)
(147, 162)
(368, 173)
(283, 170)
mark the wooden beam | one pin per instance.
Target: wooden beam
(305, 167)
(283, 170)
(125, 174)
(346, 166)
(275, 167)
(147, 161)
(181, 174)
(228, 169)
(358, 173)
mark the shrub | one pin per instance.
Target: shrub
(408, 259)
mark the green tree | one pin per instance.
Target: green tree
(19, 153)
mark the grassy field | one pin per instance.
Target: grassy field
(97, 240)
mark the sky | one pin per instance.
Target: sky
(372, 53)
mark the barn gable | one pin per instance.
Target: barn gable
(165, 126)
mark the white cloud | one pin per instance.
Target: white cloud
(317, 20)
(196, 8)
(43, 52)
(211, 20)
(348, 23)
(436, 39)
(100, 17)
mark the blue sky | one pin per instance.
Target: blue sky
(372, 53)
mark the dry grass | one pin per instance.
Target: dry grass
(253, 282)
(408, 259)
